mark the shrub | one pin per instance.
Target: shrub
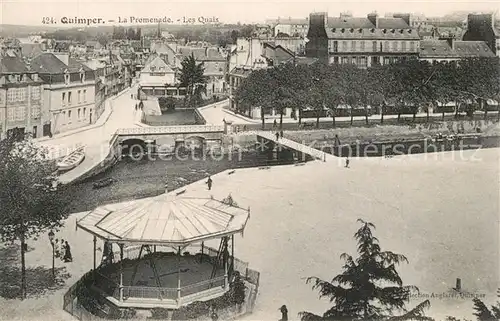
(159, 314)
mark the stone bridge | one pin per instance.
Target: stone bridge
(165, 137)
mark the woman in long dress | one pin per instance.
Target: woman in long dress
(67, 253)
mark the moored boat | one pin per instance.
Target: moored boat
(103, 183)
(72, 160)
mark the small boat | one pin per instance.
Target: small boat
(103, 183)
(72, 160)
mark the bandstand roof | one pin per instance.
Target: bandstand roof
(165, 220)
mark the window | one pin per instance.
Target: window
(403, 45)
(394, 46)
(63, 99)
(353, 45)
(84, 110)
(20, 113)
(335, 46)
(345, 60)
(79, 96)
(66, 78)
(84, 95)
(344, 46)
(82, 76)
(363, 62)
(10, 114)
(374, 46)
(362, 45)
(35, 93)
(386, 45)
(386, 60)
(69, 115)
(412, 46)
(78, 113)
(35, 111)
(69, 98)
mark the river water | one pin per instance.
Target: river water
(143, 178)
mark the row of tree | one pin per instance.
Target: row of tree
(403, 88)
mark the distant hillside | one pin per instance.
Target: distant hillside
(23, 31)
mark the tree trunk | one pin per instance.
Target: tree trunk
(399, 117)
(23, 269)
(262, 118)
(382, 115)
(485, 113)
(300, 117)
(352, 117)
(366, 115)
(317, 121)
(498, 110)
(427, 111)
(457, 108)
(281, 118)
(414, 117)
(333, 121)
(443, 116)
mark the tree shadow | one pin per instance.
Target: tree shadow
(39, 280)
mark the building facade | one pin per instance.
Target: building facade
(21, 99)
(362, 41)
(158, 78)
(69, 91)
(453, 50)
(291, 27)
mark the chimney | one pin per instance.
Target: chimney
(373, 17)
(451, 42)
(63, 56)
(405, 16)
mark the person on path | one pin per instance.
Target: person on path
(281, 133)
(347, 162)
(135, 106)
(131, 96)
(67, 253)
(284, 313)
(57, 248)
(209, 183)
(213, 314)
(62, 250)
(277, 136)
(275, 123)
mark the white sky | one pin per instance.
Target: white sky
(24, 12)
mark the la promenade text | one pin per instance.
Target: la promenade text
(88, 21)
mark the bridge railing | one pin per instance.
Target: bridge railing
(171, 129)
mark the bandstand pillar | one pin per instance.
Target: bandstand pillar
(226, 283)
(95, 241)
(179, 277)
(121, 272)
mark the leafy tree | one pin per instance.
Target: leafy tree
(130, 33)
(192, 77)
(247, 31)
(237, 289)
(103, 39)
(234, 36)
(138, 34)
(29, 203)
(358, 294)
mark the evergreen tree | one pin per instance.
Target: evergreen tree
(192, 77)
(482, 312)
(369, 288)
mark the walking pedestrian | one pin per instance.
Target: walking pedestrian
(131, 96)
(213, 314)
(347, 162)
(274, 123)
(67, 253)
(209, 183)
(136, 107)
(281, 133)
(284, 313)
(62, 250)
(277, 136)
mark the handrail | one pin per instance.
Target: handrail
(170, 129)
(209, 281)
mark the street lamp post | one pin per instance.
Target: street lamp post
(51, 239)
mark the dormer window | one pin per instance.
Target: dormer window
(409, 30)
(66, 76)
(360, 30)
(384, 31)
(352, 30)
(342, 30)
(372, 30)
(392, 30)
(401, 31)
(334, 29)
(18, 78)
(82, 75)
(35, 77)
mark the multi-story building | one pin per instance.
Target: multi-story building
(69, 91)
(362, 41)
(158, 78)
(215, 68)
(481, 27)
(452, 50)
(290, 27)
(21, 99)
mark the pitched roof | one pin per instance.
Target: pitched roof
(201, 54)
(165, 220)
(31, 49)
(372, 33)
(462, 49)
(12, 65)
